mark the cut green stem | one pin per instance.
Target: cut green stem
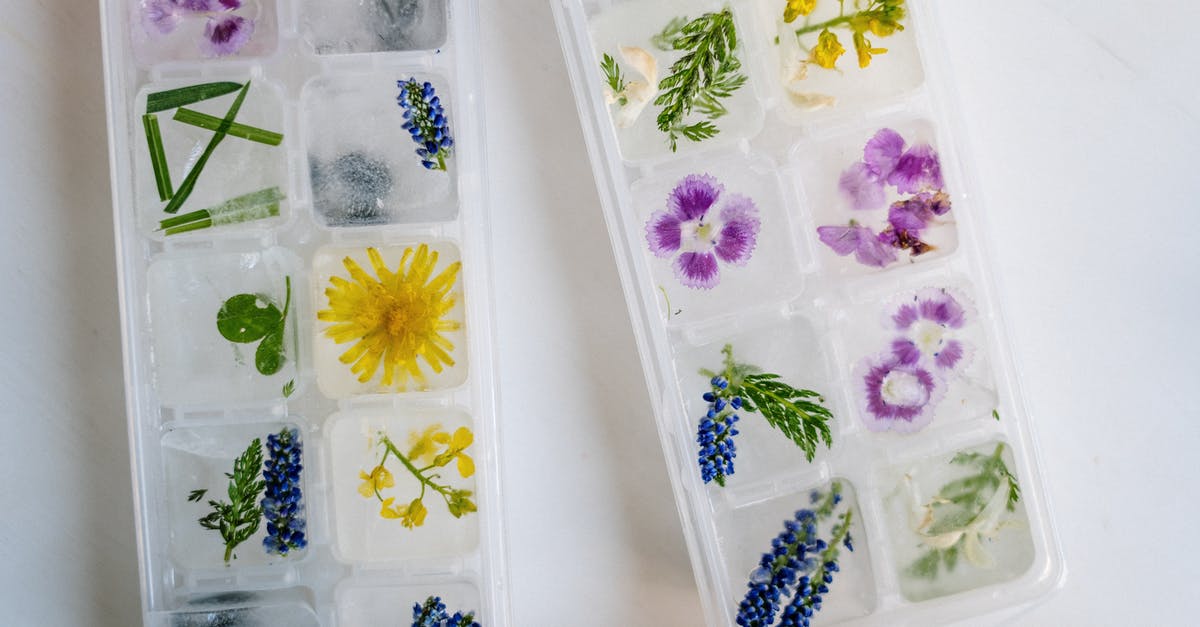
(212, 123)
(189, 182)
(253, 206)
(158, 157)
(172, 98)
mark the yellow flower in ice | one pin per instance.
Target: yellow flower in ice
(828, 50)
(394, 319)
(862, 46)
(796, 8)
(411, 515)
(390, 512)
(455, 445)
(422, 446)
(373, 483)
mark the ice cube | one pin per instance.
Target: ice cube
(352, 26)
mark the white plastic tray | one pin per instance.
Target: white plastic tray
(324, 76)
(818, 319)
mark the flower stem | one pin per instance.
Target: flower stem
(416, 472)
(835, 22)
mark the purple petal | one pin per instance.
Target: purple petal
(883, 152)
(693, 196)
(199, 6)
(897, 397)
(231, 5)
(872, 252)
(226, 34)
(842, 239)
(698, 270)
(918, 170)
(738, 236)
(912, 214)
(950, 355)
(663, 233)
(905, 352)
(937, 305)
(160, 16)
(905, 316)
(862, 187)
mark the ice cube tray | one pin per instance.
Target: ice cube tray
(344, 206)
(828, 232)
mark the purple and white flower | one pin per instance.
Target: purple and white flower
(702, 235)
(898, 396)
(864, 243)
(928, 324)
(224, 32)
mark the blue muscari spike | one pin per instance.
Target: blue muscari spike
(282, 496)
(426, 121)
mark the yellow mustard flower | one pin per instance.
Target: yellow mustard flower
(796, 8)
(414, 514)
(389, 512)
(375, 482)
(395, 319)
(423, 446)
(862, 46)
(455, 445)
(828, 50)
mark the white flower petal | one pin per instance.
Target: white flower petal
(811, 101)
(642, 62)
(976, 554)
(944, 541)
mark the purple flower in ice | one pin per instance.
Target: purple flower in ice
(867, 247)
(928, 323)
(863, 182)
(918, 170)
(224, 32)
(692, 227)
(898, 396)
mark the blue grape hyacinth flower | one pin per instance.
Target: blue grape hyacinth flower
(715, 433)
(283, 499)
(425, 119)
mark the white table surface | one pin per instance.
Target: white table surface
(1085, 128)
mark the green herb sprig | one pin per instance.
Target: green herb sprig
(240, 517)
(614, 76)
(665, 39)
(961, 507)
(708, 72)
(248, 318)
(797, 413)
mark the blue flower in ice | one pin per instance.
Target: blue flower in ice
(715, 434)
(283, 501)
(425, 120)
(800, 565)
(432, 613)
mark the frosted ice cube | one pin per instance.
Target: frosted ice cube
(773, 272)
(745, 534)
(964, 390)
(334, 377)
(347, 26)
(241, 609)
(236, 167)
(193, 363)
(634, 24)
(1004, 548)
(162, 32)
(197, 459)
(362, 534)
(790, 349)
(363, 166)
(821, 167)
(803, 90)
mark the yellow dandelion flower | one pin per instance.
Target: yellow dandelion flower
(394, 318)
(373, 483)
(796, 8)
(828, 50)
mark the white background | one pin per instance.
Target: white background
(1084, 123)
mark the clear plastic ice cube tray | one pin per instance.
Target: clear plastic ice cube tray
(344, 181)
(718, 245)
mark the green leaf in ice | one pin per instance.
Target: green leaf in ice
(172, 98)
(258, 205)
(212, 123)
(189, 182)
(289, 388)
(158, 157)
(247, 318)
